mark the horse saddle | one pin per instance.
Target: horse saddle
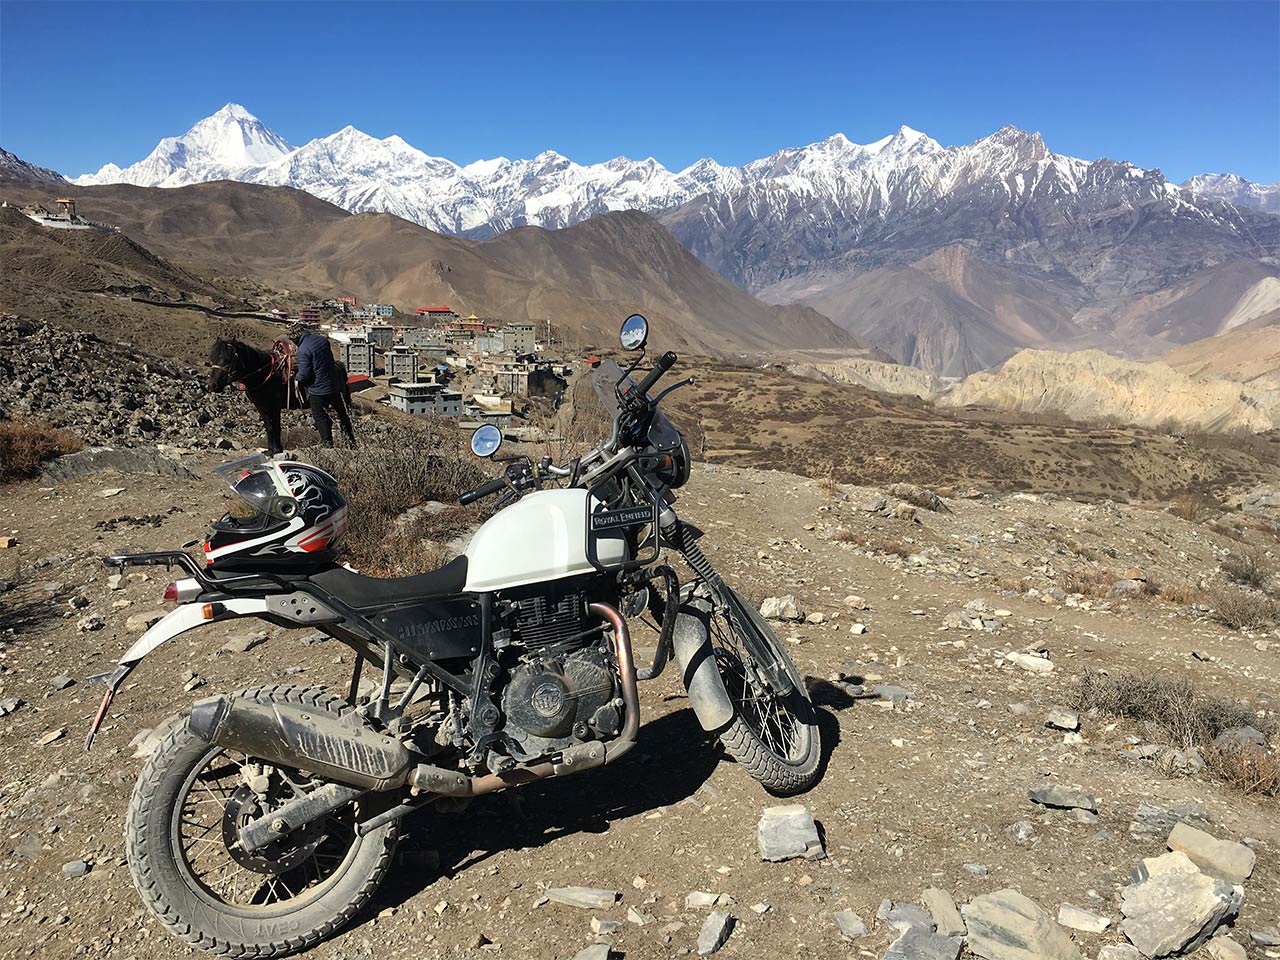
(284, 357)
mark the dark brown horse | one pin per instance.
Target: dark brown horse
(266, 379)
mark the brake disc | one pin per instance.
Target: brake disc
(280, 856)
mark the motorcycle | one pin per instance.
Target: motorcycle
(264, 820)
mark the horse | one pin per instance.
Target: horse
(266, 379)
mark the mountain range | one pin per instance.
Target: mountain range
(947, 258)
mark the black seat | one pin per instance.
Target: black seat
(360, 592)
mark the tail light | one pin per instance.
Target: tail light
(171, 593)
(182, 591)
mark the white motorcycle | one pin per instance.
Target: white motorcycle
(264, 820)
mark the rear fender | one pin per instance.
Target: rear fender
(175, 622)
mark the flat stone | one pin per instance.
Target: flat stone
(74, 868)
(1021, 832)
(244, 642)
(143, 620)
(1224, 948)
(976, 869)
(700, 900)
(1060, 718)
(588, 898)
(1266, 936)
(715, 931)
(892, 693)
(1240, 738)
(597, 951)
(602, 926)
(851, 925)
(1030, 662)
(905, 916)
(9, 704)
(1083, 920)
(1151, 820)
(942, 908)
(638, 918)
(1005, 925)
(61, 682)
(1171, 907)
(52, 736)
(787, 832)
(920, 944)
(1119, 951)
(1224, 859)
(1063, 798)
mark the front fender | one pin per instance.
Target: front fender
(177, 621)
(691, 644)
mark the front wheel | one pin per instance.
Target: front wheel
(773, 735)
(181, 839)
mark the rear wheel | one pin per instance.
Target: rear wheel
(774, 735)
(190, 801)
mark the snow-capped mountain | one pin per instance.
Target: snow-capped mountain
(1236, 189)
(13, 167)
(225, 146)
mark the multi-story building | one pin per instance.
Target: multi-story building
(382, 334)
(381, 309)
(425, 398)
(491, 342)
(402, 363)
(440, 314)
(418, 337)
(521, 338)
(310, 314)
(357, 356)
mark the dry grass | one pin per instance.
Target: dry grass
(1248, 567)
(1182, 593)
(1088, 582)
(875, 542)
(1249, 771)
(1195, 507)
(1169, 705)
(828, 485)
(408, 467)
(1241, 609)
(26, 445)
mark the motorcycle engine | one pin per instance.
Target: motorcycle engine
(553, 701)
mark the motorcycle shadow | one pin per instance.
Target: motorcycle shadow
(671, 760)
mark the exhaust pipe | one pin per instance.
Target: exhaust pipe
(347, 751)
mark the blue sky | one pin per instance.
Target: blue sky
(1187, 87)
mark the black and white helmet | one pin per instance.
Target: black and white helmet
(298, 515)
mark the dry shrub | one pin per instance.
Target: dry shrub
(877, 543)
(828, 486)
(1182, 593)
(1195, 507)
(25, 446)
(1169, 704)
(1088, 582)
(294, 437)
(1248, 567)
(1241, 609)
(1249, 770)
(408, 466)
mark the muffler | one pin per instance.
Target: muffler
(346, 751)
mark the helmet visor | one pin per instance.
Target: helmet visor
(253, 480)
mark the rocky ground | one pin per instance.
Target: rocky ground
(942, 646)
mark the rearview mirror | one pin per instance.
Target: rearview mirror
(634, 333)
(486, 440)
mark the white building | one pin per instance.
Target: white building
(425, 398)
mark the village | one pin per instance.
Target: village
(436, 362)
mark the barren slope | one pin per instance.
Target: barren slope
(584, 278)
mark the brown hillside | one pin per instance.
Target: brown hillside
(583, 278)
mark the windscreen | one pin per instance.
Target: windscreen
(251, 479)
(663, 434)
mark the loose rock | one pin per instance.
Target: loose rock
(1063, 798)
(1171, 907)
(850, 924)
(587, 898)
(715, 931)
(942, 908)
(1078, 919)
(781, 608)
(1005, 925)
(1223, 859)
(787, 832)
(920, 944)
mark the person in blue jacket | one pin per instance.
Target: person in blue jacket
(325, 383)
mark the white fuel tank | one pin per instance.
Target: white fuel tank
(542, 536)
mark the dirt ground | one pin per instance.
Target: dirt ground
(910, 796)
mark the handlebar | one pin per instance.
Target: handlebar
(484, 490)
(665, 363)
